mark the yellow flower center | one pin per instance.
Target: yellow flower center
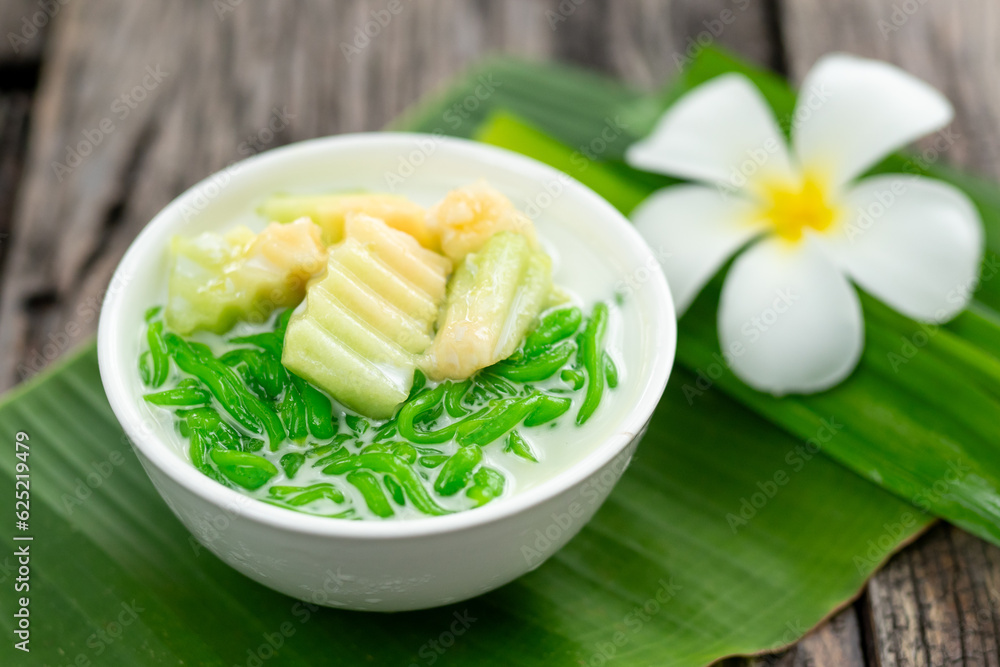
(793, 209)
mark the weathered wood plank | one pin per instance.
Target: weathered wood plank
(836, 643)
(938, 603)
(953, 45)
(14, 109)
(649, 41)
(24, 25)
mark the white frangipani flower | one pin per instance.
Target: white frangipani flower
(789, 318)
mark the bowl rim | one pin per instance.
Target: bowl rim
(661, 324)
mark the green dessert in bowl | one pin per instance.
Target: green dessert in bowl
(326, 367)
(362, 357)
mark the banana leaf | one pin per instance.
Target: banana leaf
(727, 535)
(724, 537)
(919, 415)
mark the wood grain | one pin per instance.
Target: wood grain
(937, 603)
(24, 25)
(14, 109)
(836, 643)
(955, 46)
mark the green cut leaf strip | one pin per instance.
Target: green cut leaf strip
(291, 462)
(317, 492)
(213, 429)
(453, 395)
(267, 341)
(546, 408)
(432, 460)
(405, 451)
(292, 410)
(386, 431)
(371, 492)
(159, 355)
(181, 396)
(198, 450)
(319, 409)
(414, 408)
(247, 470)
(457, 471)
(553, 327)
(270, 375)
(357, 424)
(146, 371)
(517, 445)
(337, 455)
(394, 489)
(610, 370)
(244, 407)
(591, 357)
(503, 415)
(488, 485)
(385, 463)
(573, 378)
(540, 367)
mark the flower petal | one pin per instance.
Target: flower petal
(789, 321)
(854, 111)
(693, 230)
(722, 132)
(915, 243)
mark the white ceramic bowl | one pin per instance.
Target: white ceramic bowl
(391, 565)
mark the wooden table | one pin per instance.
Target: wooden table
(169, 92)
